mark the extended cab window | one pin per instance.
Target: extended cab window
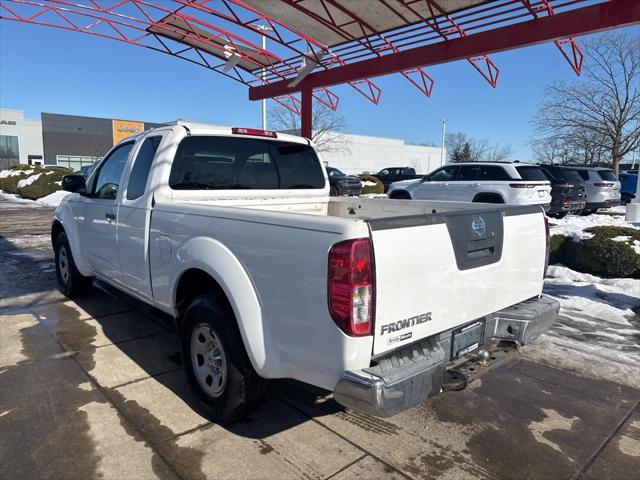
(490, 172)
(443, 174)
(221, 163)
(110, 173)
(141, 167)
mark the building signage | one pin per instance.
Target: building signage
(123, 129)
(7, 122)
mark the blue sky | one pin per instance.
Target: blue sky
(50, 70)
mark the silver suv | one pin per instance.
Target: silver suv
(603, 188)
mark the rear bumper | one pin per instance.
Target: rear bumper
(415, 372)
(614, 202)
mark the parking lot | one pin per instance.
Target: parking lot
(94, 389)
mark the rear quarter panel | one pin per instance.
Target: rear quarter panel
(273, 268)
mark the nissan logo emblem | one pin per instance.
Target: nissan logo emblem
(478, 225)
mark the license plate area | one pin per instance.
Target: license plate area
(467, 339)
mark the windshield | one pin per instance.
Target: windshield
(532, 173)
(334, 172)
(608, 175)
(224, 163)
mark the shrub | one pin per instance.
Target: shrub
(46, 184)
(599, 255)
(556, 248)
(377, 188)
(10, 184)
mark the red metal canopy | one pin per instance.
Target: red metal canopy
(315, 44)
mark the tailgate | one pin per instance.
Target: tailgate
(436, 272)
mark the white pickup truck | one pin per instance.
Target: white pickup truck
(233, 233)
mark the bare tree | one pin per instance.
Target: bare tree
(596, 117)
(462, 148)
(328, 126)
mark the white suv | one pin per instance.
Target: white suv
(603, 188)
(485, 182)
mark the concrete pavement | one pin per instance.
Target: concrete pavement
(93, 388)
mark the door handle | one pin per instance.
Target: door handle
(110, 216)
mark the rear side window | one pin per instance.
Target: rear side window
(491, 172)
(468, 172)
(584, 174)
(534, 174)
(608, 175)
(141, 167)
(225, 163)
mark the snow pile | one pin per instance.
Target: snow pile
(13, 173)
(29, 180)
(598, 331)
(574, 225)
(53, 199)
(367, 183)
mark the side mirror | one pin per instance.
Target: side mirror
(74, 183)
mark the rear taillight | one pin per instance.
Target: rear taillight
(603, 184)
(253, 131)
(352, 287)
(566, 202)
(521, 185)
(547, 245)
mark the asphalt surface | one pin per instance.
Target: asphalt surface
(93, 388)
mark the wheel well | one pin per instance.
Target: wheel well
(193, 283)
(400, 195)
(488, 198)
(56, 229)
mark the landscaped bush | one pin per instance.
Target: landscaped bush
(9, 184)
(47, 183)
(377, 188)
(600, 255)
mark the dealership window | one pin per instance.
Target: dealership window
(74, 162)
(9, 150)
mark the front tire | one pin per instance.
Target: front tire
(71, 282)
(216, 363)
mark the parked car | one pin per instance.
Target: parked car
(232, 233)
(628, 186)
(342, 184)
(395, 174)
(603, 188)
(568, 191)
(85, 170)
(484, 182)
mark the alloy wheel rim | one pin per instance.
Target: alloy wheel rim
(208, 360)
(63, 264)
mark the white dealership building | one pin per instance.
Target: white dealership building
(361, 153)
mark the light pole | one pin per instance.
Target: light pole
(444, 129)
(264, 72)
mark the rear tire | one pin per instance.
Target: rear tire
(559, 215)
(71, 282)
(216, 363)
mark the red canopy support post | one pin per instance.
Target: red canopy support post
(306, 113)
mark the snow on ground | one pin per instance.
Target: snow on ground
(574, 225)
(598, 331)
(53, 199)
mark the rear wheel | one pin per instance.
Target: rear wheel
(216, 363)
(70, 281)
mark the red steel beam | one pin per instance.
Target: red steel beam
(584, 20)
